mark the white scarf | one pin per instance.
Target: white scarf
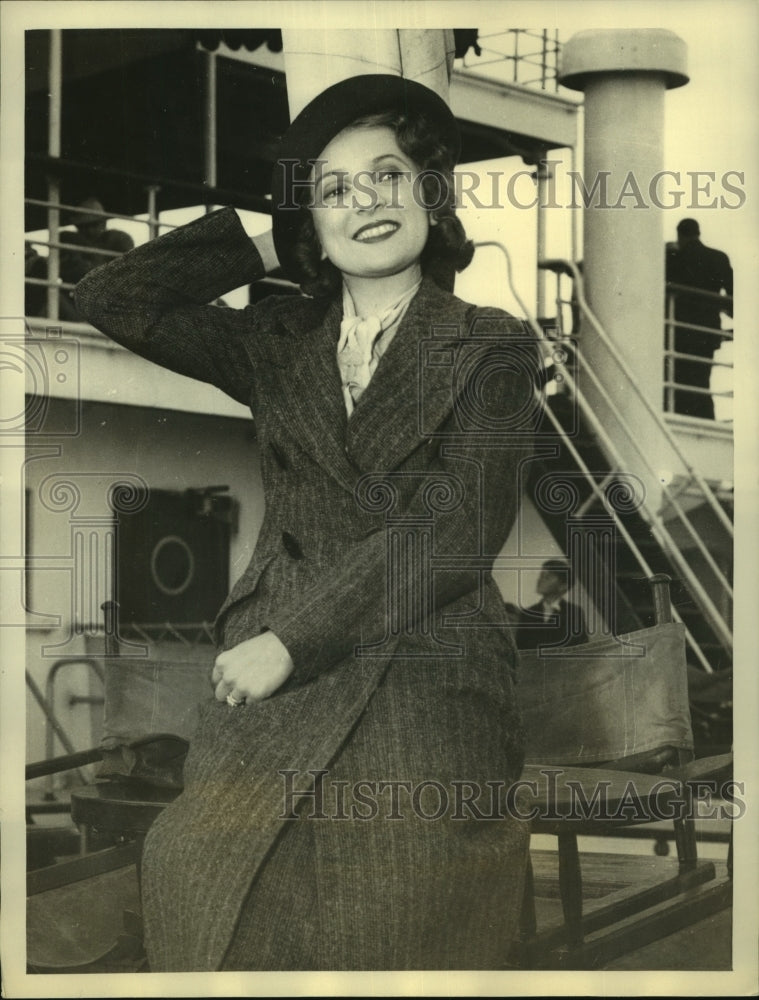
(362, 343)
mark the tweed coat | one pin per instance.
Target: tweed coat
(373, 566)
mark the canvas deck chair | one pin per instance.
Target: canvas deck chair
(609, 746)
(83, 913)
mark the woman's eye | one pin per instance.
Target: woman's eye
(389, 175)
(335, 190)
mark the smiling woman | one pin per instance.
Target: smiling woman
(345, 648)
(394, 161)
(367, 219)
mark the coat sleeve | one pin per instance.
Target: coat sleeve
(154, 301)
(352, 605)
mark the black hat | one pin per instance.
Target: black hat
(88, 211)
(321, 120)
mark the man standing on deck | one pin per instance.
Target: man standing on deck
(690, 263)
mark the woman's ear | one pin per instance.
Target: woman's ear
(433, 219)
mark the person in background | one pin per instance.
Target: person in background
(78, 258)
(553, 621)
(705, 270)
(90, 236)
(35, 266)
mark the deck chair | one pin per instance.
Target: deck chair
(609, 746)
(83, 913)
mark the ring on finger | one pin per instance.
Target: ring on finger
(234, 702)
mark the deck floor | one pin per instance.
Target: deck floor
(706, 946)
(57, 935)
(703, 946)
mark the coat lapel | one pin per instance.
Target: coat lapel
(315, 409)
(412, 390)
(409, 396)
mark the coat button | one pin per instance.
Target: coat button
(279, 455)
(292, 545)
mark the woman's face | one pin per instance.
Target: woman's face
(368, 210)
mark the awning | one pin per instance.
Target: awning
(133, 115)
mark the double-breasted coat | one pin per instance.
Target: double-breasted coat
(352, 820)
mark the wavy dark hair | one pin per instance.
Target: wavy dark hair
(447, 250)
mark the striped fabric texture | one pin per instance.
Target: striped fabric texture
(372, 565)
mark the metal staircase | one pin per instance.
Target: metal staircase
(687, 533)
(642, 546)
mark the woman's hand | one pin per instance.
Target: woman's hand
(253, 669)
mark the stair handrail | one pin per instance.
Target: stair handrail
(633, 545)
(657, 526)
(670, 495)
(556, 262)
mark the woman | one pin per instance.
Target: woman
(337, 812)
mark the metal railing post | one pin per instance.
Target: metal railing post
(542, 176)
(669, 359)
(209, 146)
(55, 83)
(153, 224)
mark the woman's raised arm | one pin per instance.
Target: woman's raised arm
(154, 300)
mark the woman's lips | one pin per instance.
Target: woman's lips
(376, 231)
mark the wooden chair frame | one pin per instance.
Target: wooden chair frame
(629, 919)
(584, 940)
